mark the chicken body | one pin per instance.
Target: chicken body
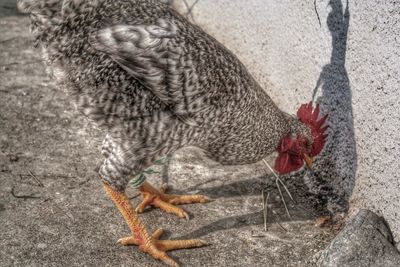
(154, 83)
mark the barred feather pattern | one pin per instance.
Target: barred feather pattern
(153, 82)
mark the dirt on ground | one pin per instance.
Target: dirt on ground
(53, 211)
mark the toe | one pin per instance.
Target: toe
(189, 199)
(169, 208)
(161, 255)
(167, 260)
(140, 208)
(130, 240)
(145, 202)
(158, 233)
(167, 245)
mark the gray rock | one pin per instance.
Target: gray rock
(364, 241)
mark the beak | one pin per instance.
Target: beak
(308, 160)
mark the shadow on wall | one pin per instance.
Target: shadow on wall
(333, 179)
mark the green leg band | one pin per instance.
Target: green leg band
(137, 181)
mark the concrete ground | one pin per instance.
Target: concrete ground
(53, 211)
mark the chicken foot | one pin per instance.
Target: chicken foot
(166, 202)
(140, 237)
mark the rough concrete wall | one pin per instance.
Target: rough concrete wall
(344, 56)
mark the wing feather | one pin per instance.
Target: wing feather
(156, 56)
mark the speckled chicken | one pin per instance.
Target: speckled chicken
(154, 82)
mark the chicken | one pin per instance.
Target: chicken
(154, 83)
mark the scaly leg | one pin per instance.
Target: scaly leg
(166, 202)
(147, 243)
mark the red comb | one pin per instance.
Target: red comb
(308, 116)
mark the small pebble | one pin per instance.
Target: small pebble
(13, 158)
(323, 221)
(42, 245)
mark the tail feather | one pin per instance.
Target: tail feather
(49, 8)
(43, 7)
(44, 15)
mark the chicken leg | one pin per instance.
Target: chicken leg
(166, 202)
(140, 237)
